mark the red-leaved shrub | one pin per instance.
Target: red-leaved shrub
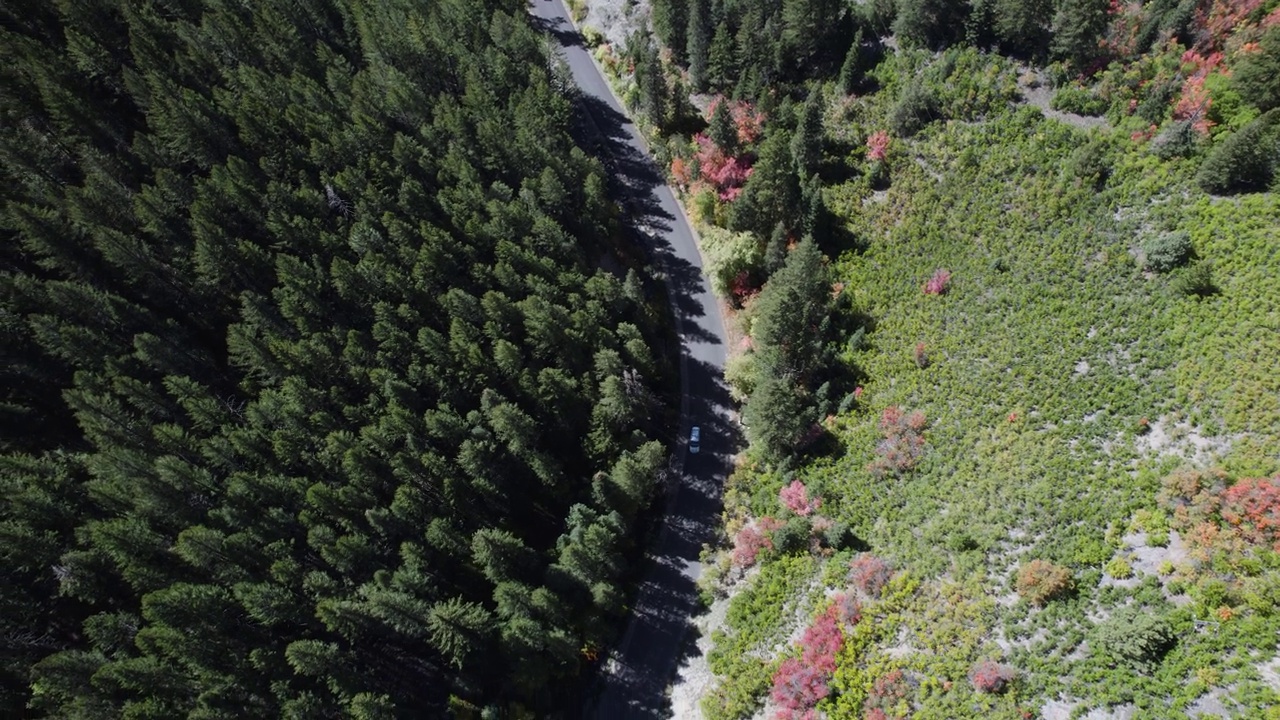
(795, 497)
(869, 574)
(887, 693)
(750, 541)
(921, 355)
(877, 146)
(938, 283)
(798, 686)
(1252, 507)
(800, 683)
(991, 677)
(903, 443)
(727, 173)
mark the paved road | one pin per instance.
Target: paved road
(634, 682)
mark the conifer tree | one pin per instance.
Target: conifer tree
(699, 44)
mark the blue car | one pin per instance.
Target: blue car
(695, 439)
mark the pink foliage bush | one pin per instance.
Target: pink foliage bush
(939, 283)
(801, 683)
(726, 173)
(795, 497)
(750, 541)
(869, 574)
(903, 443)
(991, 677)
(847, 608)
(798, 686)
(887, 692)
(877, 146)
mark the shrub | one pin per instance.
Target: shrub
(1245, 161)
(903, 443)
(839, 536)
(1089, 165)
(1196, 280)
(795, 497)
(748, 544)
(1078, 100)
(877, 146)
(888, 694)
(801, 683)
(917, 107)
(1252, 506)
(797, 686)
(1133, 636)
(938, 283)
(1040, 581)
(1163, 253)
(729, 254)
(921, 355)
(869, 574)
(1119, 568)
(793, 537)
(1178, 139)
(991, 677)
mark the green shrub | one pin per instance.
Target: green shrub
(1196, 280)
(1089, 164)
(1163, 253)
(1078, 100)
(1245, 161)
(1178, 139)
(1119, 568)
(1134, 636)
(793, 537)
(917, 107)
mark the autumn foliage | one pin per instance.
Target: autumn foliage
(878, 146)
(800, 683)
(1252, 508)
(903, 443)
(795, 497)
(869, 574)
(939, 283)
(991, 677)
(1039, 581)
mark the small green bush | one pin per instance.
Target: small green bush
(1090, 165)
(1163, 253)
(1178, 139)
(793, 537)
(917, 107)
(1196, 280)
(1119, 568)
(1078, 100)
(1134, 636)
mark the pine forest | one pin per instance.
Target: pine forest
(330, 388)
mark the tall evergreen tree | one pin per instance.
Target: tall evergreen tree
(699, 44)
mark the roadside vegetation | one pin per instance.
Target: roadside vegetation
(1048, 416)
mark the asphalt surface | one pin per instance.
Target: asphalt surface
(634, 679)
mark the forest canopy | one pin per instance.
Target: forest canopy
(319, 399)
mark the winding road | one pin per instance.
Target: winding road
(634, 679)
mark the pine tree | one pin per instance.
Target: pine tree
(699, 44)
(722, 130)
(806, 144)
(1077, 27)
